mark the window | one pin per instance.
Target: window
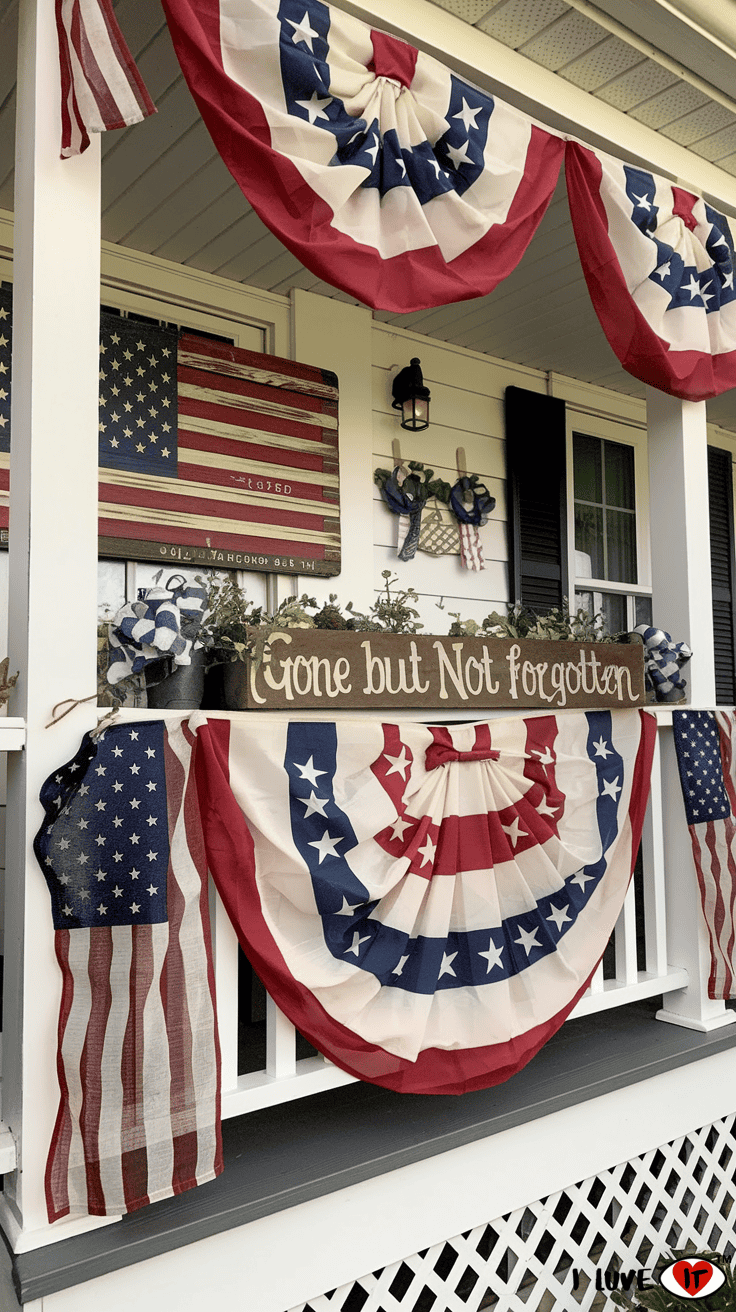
(608, 552)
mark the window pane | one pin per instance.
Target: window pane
(587, 465)
(619, 475)
(613, 606)
(621, 545)
(589, 538)
(643, 610)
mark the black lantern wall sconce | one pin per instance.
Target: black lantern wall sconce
(411, 397)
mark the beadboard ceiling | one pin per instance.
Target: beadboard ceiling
(166, 192)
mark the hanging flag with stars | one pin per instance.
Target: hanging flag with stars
(659, 264)
(138, 1054)
(213, 455)
(383, 172)
(425, 904)
(705, 757)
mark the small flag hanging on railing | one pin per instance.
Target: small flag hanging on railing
(101, 87)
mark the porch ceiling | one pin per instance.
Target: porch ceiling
(166, 192)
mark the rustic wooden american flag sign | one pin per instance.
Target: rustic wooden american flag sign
(215, 455)
(208, 454)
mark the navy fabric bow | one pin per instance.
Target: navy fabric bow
(483, 502)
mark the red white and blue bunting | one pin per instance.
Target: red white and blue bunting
(659, 264)
(425, 904)
(386, 174)
(406, 187)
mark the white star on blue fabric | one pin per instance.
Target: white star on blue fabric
(346, 909)
(559, 915)
(326, 845)
(308, 771)
(315, 107)
(303, 31)
(357, 940)
(314, 805)
(492, 956)
(611, 788)
(468, 115)
(527, 939)
(459, 154)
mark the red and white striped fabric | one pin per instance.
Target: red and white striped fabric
(425, 904)
(471, 547)
(705, 757)
(101, 87)
(659, 264)
(383, 172)
(138, 1052)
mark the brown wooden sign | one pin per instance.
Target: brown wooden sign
(308, 669)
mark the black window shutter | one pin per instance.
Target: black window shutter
(720, 499)
(537, 498)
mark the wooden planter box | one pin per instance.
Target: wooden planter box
(314, 669)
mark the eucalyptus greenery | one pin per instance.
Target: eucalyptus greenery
(234, 629)
(559, 624)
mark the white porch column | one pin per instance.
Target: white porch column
(53, 565)
(337, 336)
(682, 604)
(680, 537)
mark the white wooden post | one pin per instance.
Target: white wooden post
(682, 604)
(337, 336)
(53, 567)
(680, 538)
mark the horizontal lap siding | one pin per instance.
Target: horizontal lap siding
(466, 410)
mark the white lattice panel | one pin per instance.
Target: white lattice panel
(625, 1218)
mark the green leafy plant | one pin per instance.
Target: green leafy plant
(661, 1300)
(234, 629)
(391, 612)
(331, 617)
(558, 624)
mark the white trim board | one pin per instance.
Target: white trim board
(341, 1236)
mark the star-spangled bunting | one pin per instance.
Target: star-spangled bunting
(659, 264)
(427, 926)
(426, 904)
(705, 758)
(414, 187)
(417, 189)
